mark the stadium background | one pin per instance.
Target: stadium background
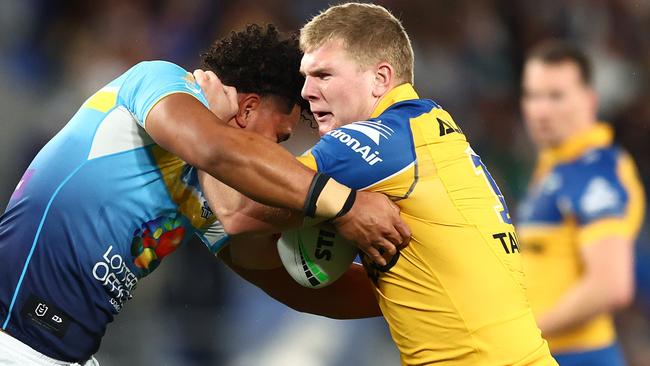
(193, 311)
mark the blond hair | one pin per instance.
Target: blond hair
(370, 34)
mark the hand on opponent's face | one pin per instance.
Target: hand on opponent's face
(222, 99)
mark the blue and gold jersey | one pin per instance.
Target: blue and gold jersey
(455, 296)
(98, 208)
(582, 191)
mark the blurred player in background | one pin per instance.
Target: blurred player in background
(582, 213)
(116, 191)
(455, 295)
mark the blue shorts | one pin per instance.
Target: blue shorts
(608, 356)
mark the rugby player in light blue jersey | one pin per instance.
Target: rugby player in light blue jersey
(116, 190)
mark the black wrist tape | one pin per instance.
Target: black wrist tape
(349, 202)
(315, 189)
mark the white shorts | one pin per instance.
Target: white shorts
(16, 353)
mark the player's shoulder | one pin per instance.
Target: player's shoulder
(155, 74)
(390, 130)
(409, 109)
(157, 67)
(602, 161)
(591, 183)
(426, 114)
(364, 152)
(375, 135)
(146, 83)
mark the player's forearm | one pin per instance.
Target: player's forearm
(607, 284)
(264, 172)
(350, 297)
(253, 251)
(257, 167)
(254, 217)
(240, 215)
(584, 301)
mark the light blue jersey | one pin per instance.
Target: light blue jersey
(98, 209)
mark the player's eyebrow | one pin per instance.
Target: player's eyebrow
(321, 70)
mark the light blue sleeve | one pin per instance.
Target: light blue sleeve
(148, 82)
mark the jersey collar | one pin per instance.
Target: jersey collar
(399, 93)
(599, 135)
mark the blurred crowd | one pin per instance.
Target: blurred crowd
(55, 53)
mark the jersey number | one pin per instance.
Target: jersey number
(480, 168)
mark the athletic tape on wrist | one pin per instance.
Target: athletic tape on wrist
(349, 202)
(315, 189)
(328, 198)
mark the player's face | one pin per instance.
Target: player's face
(271, 120)
(556, 103)
(338, 89)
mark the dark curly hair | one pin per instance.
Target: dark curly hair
(259, 60)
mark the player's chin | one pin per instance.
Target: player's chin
(326, 126)
(546, 141)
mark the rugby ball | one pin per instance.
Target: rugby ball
(315, 256)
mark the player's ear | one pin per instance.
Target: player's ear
(248, 104)
(384, 75)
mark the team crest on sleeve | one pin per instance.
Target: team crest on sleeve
(599, 196)
(552, 183)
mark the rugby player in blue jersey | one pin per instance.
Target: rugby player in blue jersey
(116, 190)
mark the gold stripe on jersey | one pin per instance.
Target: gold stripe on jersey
(189, 200)
(103, 100)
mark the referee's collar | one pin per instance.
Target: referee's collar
(399, 93)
